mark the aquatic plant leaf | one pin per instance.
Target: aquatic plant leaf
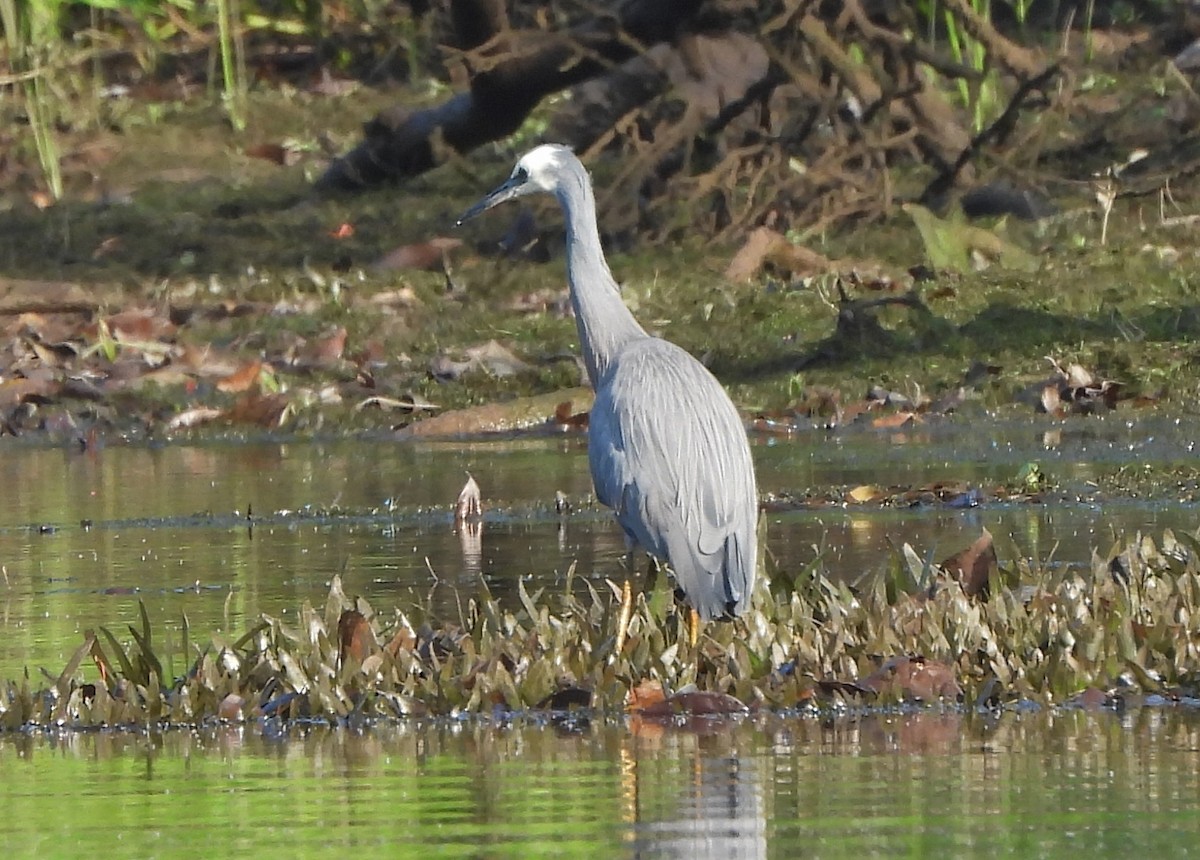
(356, 639)
(127, 669)
(974, 566)
(63, 683)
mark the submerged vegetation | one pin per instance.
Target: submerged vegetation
(1121, 632)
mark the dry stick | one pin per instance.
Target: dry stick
(998, 131)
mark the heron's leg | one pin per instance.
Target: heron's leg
(651, 575)
(624, 617)
(693, 626)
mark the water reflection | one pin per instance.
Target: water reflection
(90, 535)
(1066, 784)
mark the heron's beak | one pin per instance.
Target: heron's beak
(507, 191)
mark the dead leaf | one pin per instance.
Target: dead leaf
(404, 297)
(231, 708)
(647, 694)
(568, 420)
(193, 418)
(277, 153)
(356, 639)
(261, 410)
(241, 380)
(915, 679)
(138, 324)
(894, 420)
(490, 357)
(429, 255)
(765, 245)
(866, 493)
(329, 348)
(1051, 403)
(973, 566)
(695, 703)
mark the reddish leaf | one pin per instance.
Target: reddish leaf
(896, 419)
(263, 411)
(273, 152)
(241, 380)
(568, 420)
(647, 694)
(231, 708)
(696, 703)
(974, 565)
(140, 324)
(356, 639)
(429, 255)
(915, 679)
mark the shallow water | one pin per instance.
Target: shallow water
(226, 532)
(1072, 784)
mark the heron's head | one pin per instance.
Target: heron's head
(540, 169)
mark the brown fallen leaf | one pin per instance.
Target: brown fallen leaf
(356, 639)
(647, 694)
(1051, 402)
(973, 566)
(695, 703)
(242, 379)
(1091, 699)
(765, 245)
(262, 410)
(429, 255)
(231, 708)
(894, 420)
(330, 348)
(140, 324)
(284, 156)
(915, 679)
(568, 420)
(403, 639)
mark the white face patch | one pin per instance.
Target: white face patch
(543, 164)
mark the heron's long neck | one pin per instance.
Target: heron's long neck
(605, 324)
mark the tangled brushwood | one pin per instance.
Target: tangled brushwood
(1124, 630)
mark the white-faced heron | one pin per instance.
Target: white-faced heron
(667, 449)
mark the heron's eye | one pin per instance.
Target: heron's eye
(521, 173)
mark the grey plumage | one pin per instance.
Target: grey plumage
(667, 449)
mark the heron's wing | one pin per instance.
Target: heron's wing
(668, 452)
